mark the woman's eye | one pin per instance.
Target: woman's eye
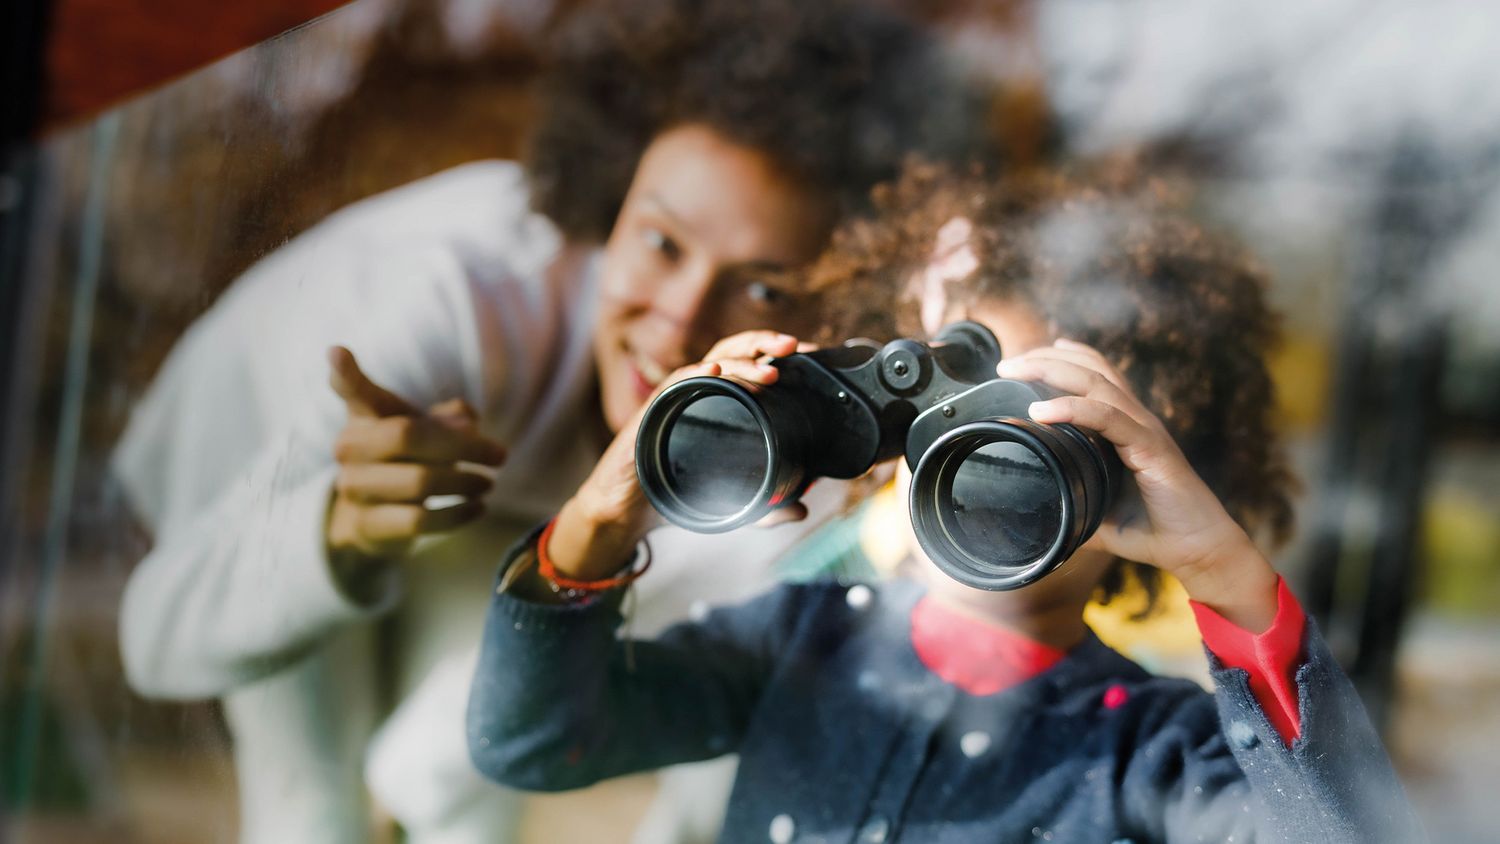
(658, 241)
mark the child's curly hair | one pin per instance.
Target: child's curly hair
(1110, 259)
(835, 93)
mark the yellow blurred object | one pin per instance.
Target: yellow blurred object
(1461, 542)
(883, 531)
(1301, 369)
(1164, 642)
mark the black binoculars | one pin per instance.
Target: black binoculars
(997, 500)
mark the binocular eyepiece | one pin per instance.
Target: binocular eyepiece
(997, 499)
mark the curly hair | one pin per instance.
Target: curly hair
(832, 93)
(1109, 258)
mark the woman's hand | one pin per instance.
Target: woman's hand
(1181, 527)
(598, 528)
(392, 457)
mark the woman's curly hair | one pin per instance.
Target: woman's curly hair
(1109, 258)
(834, 93)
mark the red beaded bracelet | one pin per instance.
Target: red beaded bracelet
(549, 572)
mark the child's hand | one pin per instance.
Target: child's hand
(1183, 528)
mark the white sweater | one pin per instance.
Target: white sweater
(446, 287)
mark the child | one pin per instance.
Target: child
(923, 710)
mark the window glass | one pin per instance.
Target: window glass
(249, 584)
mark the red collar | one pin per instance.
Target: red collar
(979, 658)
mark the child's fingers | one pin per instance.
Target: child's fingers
(1084, 357)
(1066, 345)
(1065, 375)
(1131, 540)
(1138, 445)
(1071, 377)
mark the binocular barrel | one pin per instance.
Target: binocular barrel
(713, 456)
(997, 499)
(999, 503)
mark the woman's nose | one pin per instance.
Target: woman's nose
(683, 302)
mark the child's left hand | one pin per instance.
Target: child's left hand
(1186, 530)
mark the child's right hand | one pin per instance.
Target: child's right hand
(1185, 530)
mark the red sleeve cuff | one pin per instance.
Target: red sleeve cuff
(1271, 658)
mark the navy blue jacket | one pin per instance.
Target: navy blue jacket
(845, 736)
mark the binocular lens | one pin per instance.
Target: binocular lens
(999, 503)
(713, 456)
(1005, 500)
(716, 456)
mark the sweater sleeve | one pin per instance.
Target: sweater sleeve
(1206, 775)
(1270, 658)
(217, 604)
(559, 702)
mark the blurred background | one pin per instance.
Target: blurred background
(156, 148)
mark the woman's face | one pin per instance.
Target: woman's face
(702, 214)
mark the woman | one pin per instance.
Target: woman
(493, 315)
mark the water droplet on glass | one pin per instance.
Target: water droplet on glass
(875, 831)
(858, 596)
(782, 829)
(698, 610)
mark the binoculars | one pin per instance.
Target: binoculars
(997, 500)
